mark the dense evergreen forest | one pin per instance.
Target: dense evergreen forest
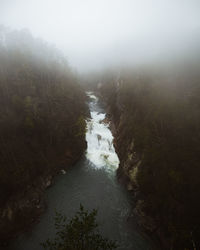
(42, 126)
(157, 120)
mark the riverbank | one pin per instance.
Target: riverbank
(156, 128)
(24, 209)
(130, 161)
(42, 126)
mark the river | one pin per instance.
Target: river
(92, 182)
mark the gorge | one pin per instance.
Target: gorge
(92, 182)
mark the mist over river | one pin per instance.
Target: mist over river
(92, 182)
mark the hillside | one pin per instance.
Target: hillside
(156, 118)
(42, 126)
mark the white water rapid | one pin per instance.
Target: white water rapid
(100, 149)
(93, 183)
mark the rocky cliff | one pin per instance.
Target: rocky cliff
(152, 120)
(42, 126)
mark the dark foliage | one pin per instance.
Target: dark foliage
(161, 114)
(41, 112)
(80, 233)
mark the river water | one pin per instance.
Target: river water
(92, 182)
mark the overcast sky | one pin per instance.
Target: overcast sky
(97, 33)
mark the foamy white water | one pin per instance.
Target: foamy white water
(100, 149)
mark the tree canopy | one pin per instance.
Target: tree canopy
(79, 233)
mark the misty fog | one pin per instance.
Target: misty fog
(95, 34)
(100, 106)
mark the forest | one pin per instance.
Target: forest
(100, 124)
(42, 126)
(157, 119)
